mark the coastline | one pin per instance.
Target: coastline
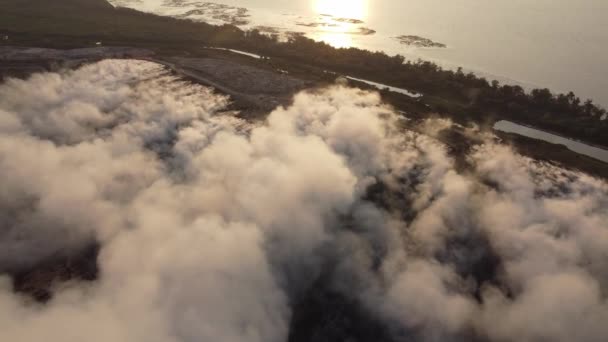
(457, 54)
(253, 99)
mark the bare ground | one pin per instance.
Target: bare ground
(255, 90)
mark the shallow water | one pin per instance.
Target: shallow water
(248, 54)
(573, 145)
(560, 44)
(381, 86)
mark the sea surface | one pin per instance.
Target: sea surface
(558, 44)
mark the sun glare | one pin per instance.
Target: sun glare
(335, 39)
(352, 9)
(339, 32)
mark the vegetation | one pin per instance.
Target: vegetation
(455, 92)
(76, 23)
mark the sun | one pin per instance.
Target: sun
(352, 9)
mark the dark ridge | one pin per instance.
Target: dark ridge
(23, 70)
(61, 4)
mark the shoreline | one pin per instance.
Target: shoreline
(287, 22)
(466, 96)
(253, 101)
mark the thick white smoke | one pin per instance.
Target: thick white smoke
(210, 228)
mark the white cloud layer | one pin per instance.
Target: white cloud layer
(210, 227)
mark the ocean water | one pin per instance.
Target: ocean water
(559, 44)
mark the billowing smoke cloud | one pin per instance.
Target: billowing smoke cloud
(212, 229)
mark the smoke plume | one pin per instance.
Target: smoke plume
(212, 228)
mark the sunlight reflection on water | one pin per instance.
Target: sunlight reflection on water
(339, 34)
